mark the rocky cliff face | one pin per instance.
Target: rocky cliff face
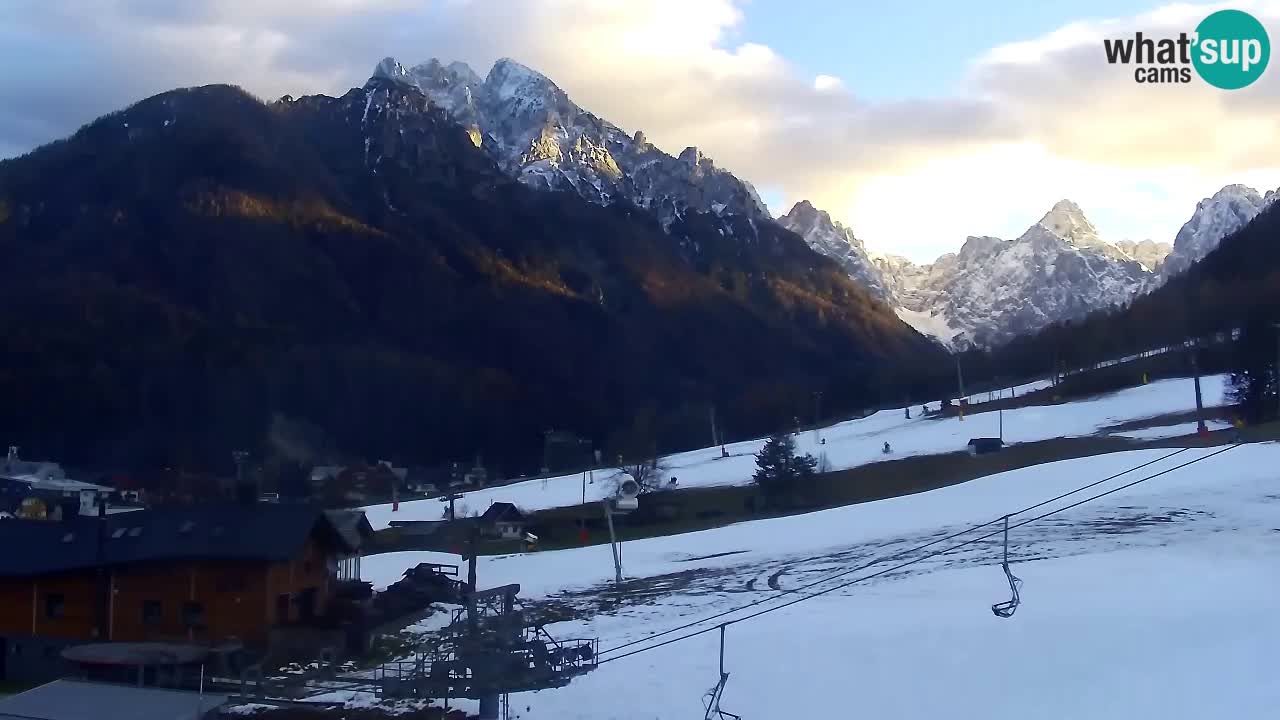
(541, 137)
(1215, 217)
(993, 289)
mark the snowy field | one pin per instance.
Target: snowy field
(848, 444)
(1156, 601)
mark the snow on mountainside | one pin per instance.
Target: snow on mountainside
(1150, 253)
(837, 242)
(1215, 218)
(992, 289)
(537, 134)
(1059, 269)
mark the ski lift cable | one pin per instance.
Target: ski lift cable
(922, 558)
(886, 558)
(934, 553)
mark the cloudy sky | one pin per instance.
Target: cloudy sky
(915, 123)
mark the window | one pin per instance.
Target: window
(193, 614)
(152, 612)
(54, 605)
(117, 533)
(17, 648)
(135, 532)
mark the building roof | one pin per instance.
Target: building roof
(218, 532)
(986, 444)
(135, 654)
(352, 525)
(502, 512)
(79, 700)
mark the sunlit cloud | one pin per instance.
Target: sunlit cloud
(826, 82)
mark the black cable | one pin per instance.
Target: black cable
(900, 566)
(884, 558)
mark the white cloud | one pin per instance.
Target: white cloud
(1035, 121)
(826, 82)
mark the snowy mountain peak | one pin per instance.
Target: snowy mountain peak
(509, 79)
(531, 128)
(804, 213)
(976, 246)
(805, 220)
(1233, 191)
(836, 241)
(390, 68)
(1059, 269)
(436, 75)
(1215, 217)
(463, 72)
(1066, 220)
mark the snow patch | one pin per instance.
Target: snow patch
(851, 443)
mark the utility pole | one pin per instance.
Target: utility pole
(451, 493)
(546, 451)
(715, 437)
(960, 382)
(1201, 428)
(817, 414)
(488, 702)
(613, 542)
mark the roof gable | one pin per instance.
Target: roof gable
(266, 532)
(502, 512)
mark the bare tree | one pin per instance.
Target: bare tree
(636, 451)
(650, 474)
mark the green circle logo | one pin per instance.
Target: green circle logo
(1232, 49)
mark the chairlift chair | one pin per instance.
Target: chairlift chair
(1007, 608)
(711, 700)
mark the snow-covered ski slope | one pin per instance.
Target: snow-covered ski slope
(1156, 601)
(848, 444)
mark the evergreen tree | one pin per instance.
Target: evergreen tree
(1252, 383)
(779, 469)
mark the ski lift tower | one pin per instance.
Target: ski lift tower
(491, 649)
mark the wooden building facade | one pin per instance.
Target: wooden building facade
(199, 575)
